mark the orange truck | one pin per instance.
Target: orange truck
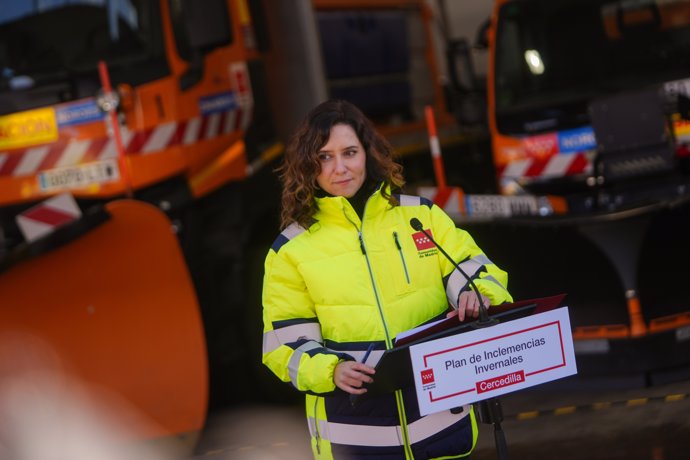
(133, 136)
(125, 130)
(588, 103)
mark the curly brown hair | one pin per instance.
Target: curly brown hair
(301, 164)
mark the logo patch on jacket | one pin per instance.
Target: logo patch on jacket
(422, 241)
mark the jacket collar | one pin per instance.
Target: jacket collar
(338, 207)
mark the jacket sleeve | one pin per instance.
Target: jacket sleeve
(459, 244)
(292, 344)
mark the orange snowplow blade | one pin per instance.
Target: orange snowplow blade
(118, 307)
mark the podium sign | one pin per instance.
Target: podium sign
(492, 361)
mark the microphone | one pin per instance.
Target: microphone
(484, 319)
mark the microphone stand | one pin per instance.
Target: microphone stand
(490, 410)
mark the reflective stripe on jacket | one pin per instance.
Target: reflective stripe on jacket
(344, 283)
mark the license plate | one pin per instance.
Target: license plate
(79, 176)
(501, 206)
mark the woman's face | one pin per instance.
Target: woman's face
(343, 162)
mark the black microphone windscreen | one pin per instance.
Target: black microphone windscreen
(416, 224)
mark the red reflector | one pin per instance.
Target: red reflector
(682, 151)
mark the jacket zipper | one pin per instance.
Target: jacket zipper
(389, 343)
(363, 247)
(402, 256)
(403, 424)
(316, 427)
(398, 393)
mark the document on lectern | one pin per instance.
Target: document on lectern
(394, 370)
(504, 312)
(487, 362)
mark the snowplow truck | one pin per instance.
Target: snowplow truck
(588, 106)
(126, 147)
(136, 143)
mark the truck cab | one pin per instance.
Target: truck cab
(555, 66)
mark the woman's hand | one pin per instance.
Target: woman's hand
(468, 305)
(350, 375)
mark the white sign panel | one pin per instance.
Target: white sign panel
(492, 361)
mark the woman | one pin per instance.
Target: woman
(347, 274)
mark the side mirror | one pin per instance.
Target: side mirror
(481, 41)
(466, 99)
(199, 27)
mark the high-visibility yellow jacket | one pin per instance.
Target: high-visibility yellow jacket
(333, 289)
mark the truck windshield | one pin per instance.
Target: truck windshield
(43, 41)
(551, 56)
